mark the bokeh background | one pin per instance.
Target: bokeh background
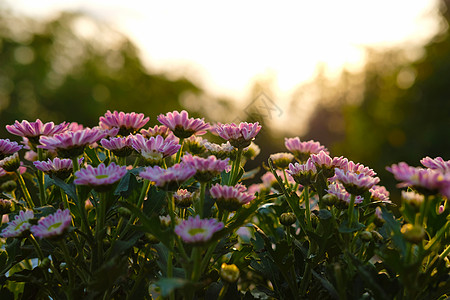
(368, 79)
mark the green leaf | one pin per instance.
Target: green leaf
(394, 226)
(326, 284)
(156, 200)
(168, 285)
(69, 189)
(324, 214)
(344, 228)
(121, 246)
(127, 185)
(92, 155)
(108, 273)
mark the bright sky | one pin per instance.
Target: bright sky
(227, 45)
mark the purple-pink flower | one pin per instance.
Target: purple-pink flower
(281, 160)
(239, 136)
(7, 148)
(183, 126)
(230, 198)
(161, 130)
(303, 174)
(183, 198)
(302, 150)
(34, 130)
(206, 168)
(19, 226)
(101, 177)
(72, 143)
(169, 179)
(196, 230)
(153, 150)
(61, 168)
(326, 164)
(437, 163)
(127, 122)
(119, 146)
(53, 225)
(380, 193)
(356, 184)
(426, 181)
(342, 195)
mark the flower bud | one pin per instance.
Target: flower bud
(8, 186)
(329, 199)
(287, 219)
(229, 273)
(10, 163)
(413, 233)
(5, 206)
(377, 236)
(366, 236)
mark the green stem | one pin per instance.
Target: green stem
(144, 191)
(70, 266)
(424, 211)
(40, 179)
(201, 203)
(305, 279)
(100, 226)
(25, 192)
(235, 169)
(177, 158)
(307, 206)
(437, 237)
(223, 291)
(197, 260)
(81, 202)
(39, 252)
(351, 206)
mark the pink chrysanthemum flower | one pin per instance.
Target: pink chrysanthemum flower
(72, 143)
(342, 195)
(74, 126)
(155, 149)
(183, 198)
(230, 198)
(53, 225)
(119, 146)
(127, 122)
(61, 168)
(356, 184)
(437, 163)
(414, 199)
(302, 150)
(239, 136)
(161, 130)
(303, 174)
(251, 151)
(326, 164)
(34, 130)
(194, 145)
(100, 178)
(207, 168)
(7, 148)
(269, 180)
(281, 160)
(380, 193)
(425, 181)
(19, 226)
(357, 168)
(168, 179)
(196, 230)
(183, 126)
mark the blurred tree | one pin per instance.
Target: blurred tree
(74, 68)
(394, 110)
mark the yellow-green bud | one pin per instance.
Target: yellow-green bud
(376, 235)
(5, 206)
(329, 199)
(287, 219)
(229, 273)
(366, 236)
(8, 186)
(413, 233)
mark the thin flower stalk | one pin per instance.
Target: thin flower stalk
(25, 191)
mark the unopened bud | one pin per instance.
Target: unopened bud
(8, 186)
(10, 163)
(124, 211)
(229, 273)
(329, 199)
(376, 235)
(366, 236)
(413, 233)
(287, 219)
(5, 206)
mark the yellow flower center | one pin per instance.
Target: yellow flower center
(56, 225)
(101, 176)
(195, 231)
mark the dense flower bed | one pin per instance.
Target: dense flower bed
(121, 211)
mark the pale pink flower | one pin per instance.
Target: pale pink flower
(230, 198)
(72, 143)
(380, 193)
(119, 146)
(281, 160)
(161, 130)
(183, 126)
(302, 150)
(196, 230)
(356, 184)
(437, 163)
(53, 225)
(153, 150)
(74, 126)
(19, 226)
(34, 130)
(206, 168)
(269, 180)
(126, 122)
(11, 163)
(412, 198)
(239, 136)
(357, 168)
(7, 148)
(183, 198)
(169, 179)
(220, 151)
(326, 164)
(100, 178)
